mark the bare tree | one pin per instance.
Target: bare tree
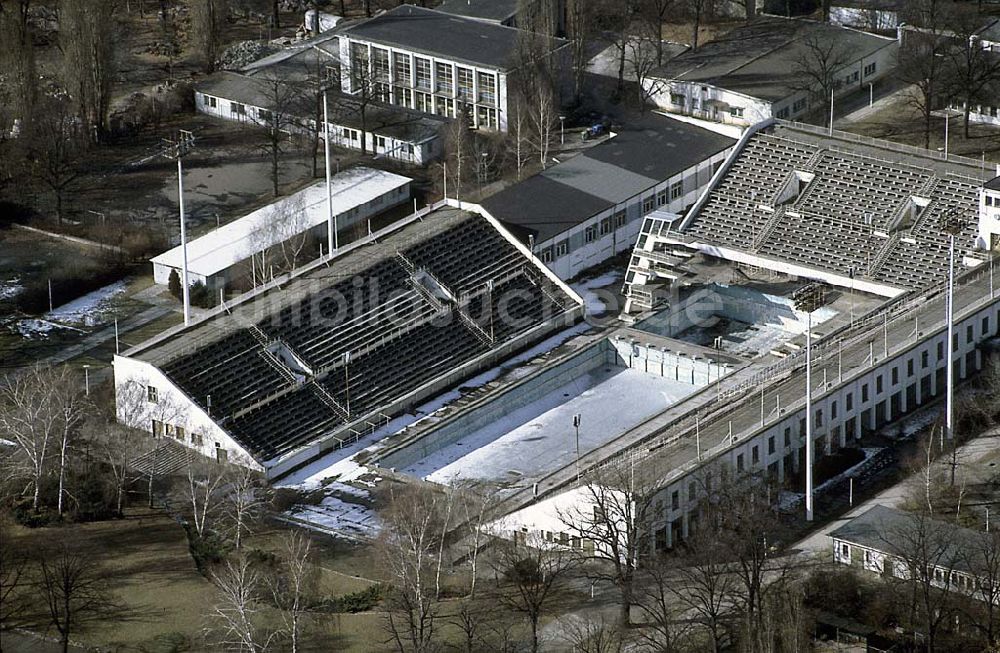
(74, 591)
(409, 547)
(203, 492)
(923, 64)
(593, 635)
(369, 83)
(282, 238)
(284, 103)
(982, 557)
(207, 22)
(614, 516)
(243, 502)
(294, 584)
(519, 133)
(924, 547)
(697, 11)
(642, 64)
(662, 628)
(90, 40)
(458, 145)
(56, 143)
(703, 584)
(652, 14)
(237, 613)
(530, 574)
(819, 70)
(14, 588)
(38, 417)
(976, 70)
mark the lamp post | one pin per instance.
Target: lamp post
(562, 129)
(177, 150)
(808, 299)
(576, 425)
(952, 225)
(332, 239)
(86, 380)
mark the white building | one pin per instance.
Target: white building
(221, 256)
(879, 16)
(433, 62)
(587, 209)
(758, 71)
(989, 215)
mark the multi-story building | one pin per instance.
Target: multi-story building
(433, 62)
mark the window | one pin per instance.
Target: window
(676, 189)
(661, 198)
(788, 436)
(782, 114)
(678, 99)
(487, 117)
(819, 417)
(878, 384)
(833, 410)
(152, 395)
(675, 500)
(487, 88)
(546, 255)
(736, 112)
(605, 226)
(864, 393)
(380, 143)
(940, 351)
(691, 492)
(445, 83)
(739, 463)
(590, 234)
(986, 325)
(444, 106)
(845, 550)
(799, 105)
(909, 368)
(380, 64)
(211, 101)
(755, 454)
(423, 102)
(359, 65)
(648, 204)
(870, 69)
(620, 219)
(423, 70)
(237, 108)
(196, 439)
(401, 65)
(263, 115)
(924, 358)
(158, 428)
(849, 401)
(180, 433)
(464, 83)
(562, 248)
(969, 335)
(770, 445)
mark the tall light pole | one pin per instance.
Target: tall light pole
(177, 150)
(952, 225)
(332, 243)
(576, 425)
(808, 299)
(562, 129)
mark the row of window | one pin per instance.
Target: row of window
(992, 201)
(179, 433)
(590, 234)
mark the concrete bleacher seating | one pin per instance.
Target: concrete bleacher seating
(368, 339)
(859, 211)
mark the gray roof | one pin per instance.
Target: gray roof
(543, 207)
(384, 120)
(991, 31)
(499, 11)
(993, 184)
(441, 34)
(891, 531)
(639, 157)
(763, 59)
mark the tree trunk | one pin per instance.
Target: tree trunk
(275, 15)
(965, 118)
(534, 633)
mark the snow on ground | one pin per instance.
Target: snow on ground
(593, 300)
(10, 288)
(88, 310)
(789, 500)
(335, 516)
(540, 436)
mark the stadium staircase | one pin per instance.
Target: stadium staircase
(166, 458)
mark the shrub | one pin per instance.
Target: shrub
(200, 295)
(360, 601)
(207, 550)
(174, 284)
(25, 515)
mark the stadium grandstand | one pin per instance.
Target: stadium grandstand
(836, 207)
(318, 358)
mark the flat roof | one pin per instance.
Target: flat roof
(638, 157)
(763, 58)
(226, 246)
(492, 10)
(441, 34)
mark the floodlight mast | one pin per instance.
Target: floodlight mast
(177, 150)
(952, 225)
(332, 240)
(809, 299)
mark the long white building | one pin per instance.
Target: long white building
(222, 255)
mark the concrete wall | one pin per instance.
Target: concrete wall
(989, 219)
(676, 365)
(869, 20)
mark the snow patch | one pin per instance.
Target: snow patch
(89, 310)
(592, 300)
(10, 288)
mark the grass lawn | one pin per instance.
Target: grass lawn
(146, 558)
